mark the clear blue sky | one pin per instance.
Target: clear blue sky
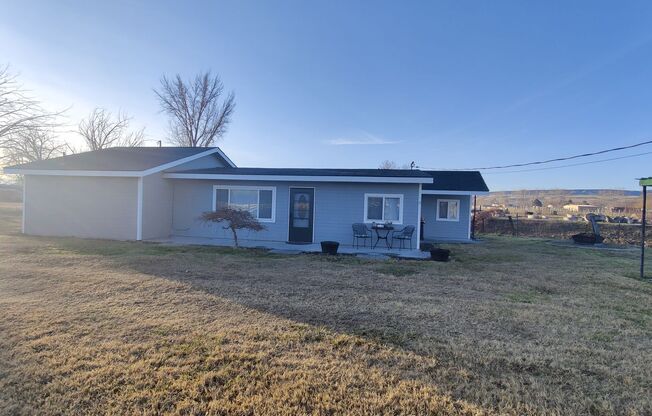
(351, 83)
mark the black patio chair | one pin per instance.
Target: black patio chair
(360, 231)
(403, 235)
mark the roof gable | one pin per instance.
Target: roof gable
(123, 161)
(456, 181)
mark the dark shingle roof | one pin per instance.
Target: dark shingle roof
(455, 180)
(383, 173)
(115, 159)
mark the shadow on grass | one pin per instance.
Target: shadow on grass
(437, 310)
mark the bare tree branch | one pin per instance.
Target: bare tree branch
(18, 111)
(26, 129)
(388, 164)
(30, 145)
(198, 110)
(101, 130)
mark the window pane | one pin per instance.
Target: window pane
(221, 198)
(244, 199)
(301, 210)
(375, 208)
(392, 208)
(443, 210)
(265, 205)
(453, 210)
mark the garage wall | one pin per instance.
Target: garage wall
(157, 206)
(89, 207)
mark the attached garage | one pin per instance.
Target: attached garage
(116, 193)
(81, 206)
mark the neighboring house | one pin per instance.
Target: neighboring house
(581, 208)
(152, 193)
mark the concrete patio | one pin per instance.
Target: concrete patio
(380, 252)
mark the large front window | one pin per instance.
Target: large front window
(383, 208)
(259, 201)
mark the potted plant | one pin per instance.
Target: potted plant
(439, 254)
(329, 247)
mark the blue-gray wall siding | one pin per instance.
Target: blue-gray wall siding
(337, 206)
(158, 196)
(445, 230)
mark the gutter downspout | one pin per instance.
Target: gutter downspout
(139, 210)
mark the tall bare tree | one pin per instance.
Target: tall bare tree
(25, 127)
(199, 111)
(102, 130)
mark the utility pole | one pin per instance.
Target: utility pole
(645, 182)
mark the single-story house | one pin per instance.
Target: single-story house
(147, 193)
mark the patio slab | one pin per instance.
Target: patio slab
(279, 247)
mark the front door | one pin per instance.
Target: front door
(302, 202)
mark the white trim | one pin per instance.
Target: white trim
(225, 157)
(123, 173)
(419, 201)
(457, 219)
(291, 178)
(400, 211)
(22, 230)
(249, 188)
(139, 212)
(314, 209)
(436, 192)
(119, 173)
(178, 162)
(470, 216)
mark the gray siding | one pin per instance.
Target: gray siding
(445, 230)
(90, 207)
(337, 206)
(157, 206)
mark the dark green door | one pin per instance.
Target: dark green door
(302, 202)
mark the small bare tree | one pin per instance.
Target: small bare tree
(236, 219)
(102, 130)
(388, 164)
(30, 145)
(198, 110)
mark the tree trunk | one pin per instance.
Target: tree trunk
(235, 237)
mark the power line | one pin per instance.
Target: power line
(559, 159)
(570, 165)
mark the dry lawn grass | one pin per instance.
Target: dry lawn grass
(509, 327)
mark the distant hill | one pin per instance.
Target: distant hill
(557, 198)
(579, 192)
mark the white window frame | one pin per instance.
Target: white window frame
(248, 188)
(366, 205)
(459, 207)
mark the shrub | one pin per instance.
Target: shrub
(236, 219)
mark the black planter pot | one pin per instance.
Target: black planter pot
(439, 254)
(329, 247)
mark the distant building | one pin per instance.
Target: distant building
(581, 208)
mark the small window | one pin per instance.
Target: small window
(448, 210)
(260, 202)
(382, 208)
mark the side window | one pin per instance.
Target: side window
(448, 210)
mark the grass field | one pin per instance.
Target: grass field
(508, 327)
